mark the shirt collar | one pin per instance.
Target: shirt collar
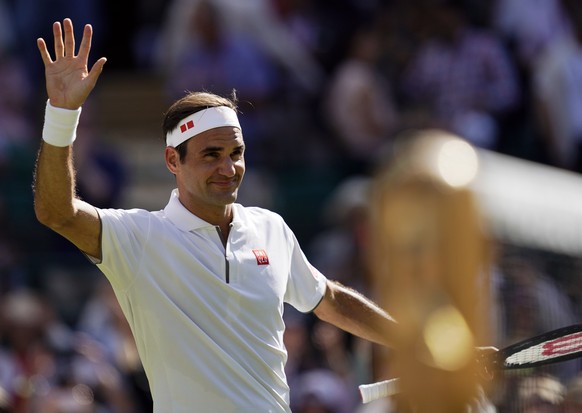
(187, 221)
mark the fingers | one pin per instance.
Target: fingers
(66, 48)
(58, 40)
(85, 46)
(69, 38)
(44, 54)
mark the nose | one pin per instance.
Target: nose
(227, 167)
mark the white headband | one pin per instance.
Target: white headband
(201, 121)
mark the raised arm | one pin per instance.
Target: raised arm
(68, 84)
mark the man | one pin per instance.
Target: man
(202, 282)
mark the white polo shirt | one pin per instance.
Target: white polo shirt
(208, 321)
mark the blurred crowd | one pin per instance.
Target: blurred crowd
(323, 87)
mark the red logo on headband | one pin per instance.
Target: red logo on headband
(186, 126)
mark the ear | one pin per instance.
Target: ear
(172, 159)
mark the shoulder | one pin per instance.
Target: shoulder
(134, 213)
(260, 218)
(256, 214)
(127, 217)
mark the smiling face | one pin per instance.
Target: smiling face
(209, 176)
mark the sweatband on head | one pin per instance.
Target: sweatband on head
(60, 125)
(201, 121)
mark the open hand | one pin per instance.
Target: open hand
(68, 80)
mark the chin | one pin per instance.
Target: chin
(228, 199)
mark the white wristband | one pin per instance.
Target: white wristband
(60, 125)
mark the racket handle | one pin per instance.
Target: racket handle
(378, 390)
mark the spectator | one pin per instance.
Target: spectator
(106, 338)
(462, 78)
(536, 300)
(322, 391)
(557, 78)
(573, 398)
(529, 26)
(359, 105)
(218, 59)
(332, 344)
(101, 173)
(338, 249)
(28, 325)
(299, 17)
(541, 394)
(299, 348)
(16, 131)
(254, 19)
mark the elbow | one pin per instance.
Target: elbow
(328, 310)
(50, 217)
(44, 215)
(41, 213)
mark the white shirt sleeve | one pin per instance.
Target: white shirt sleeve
(123, 236)
(306, 285)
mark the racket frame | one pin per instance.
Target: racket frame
(499, 358)
(387, 388)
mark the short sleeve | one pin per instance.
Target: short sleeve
(306, 285)
(123, 236)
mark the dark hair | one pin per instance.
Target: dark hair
(191, 103)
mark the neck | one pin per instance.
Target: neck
(216, 214)
(220, 216)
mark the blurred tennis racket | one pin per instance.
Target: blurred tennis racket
(551, 347)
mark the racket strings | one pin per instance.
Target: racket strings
(567, 346)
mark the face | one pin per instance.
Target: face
(212, 171)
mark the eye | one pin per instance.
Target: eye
(237, 153)
(212, 155)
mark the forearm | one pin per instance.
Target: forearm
(352, 312)
(56, 205)
(54, 185)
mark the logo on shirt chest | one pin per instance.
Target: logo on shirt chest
(262, 257)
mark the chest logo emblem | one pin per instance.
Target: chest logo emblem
(262, 257)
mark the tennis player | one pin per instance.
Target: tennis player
(430, 268)
(203, 281)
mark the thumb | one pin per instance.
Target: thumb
(96, 70)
